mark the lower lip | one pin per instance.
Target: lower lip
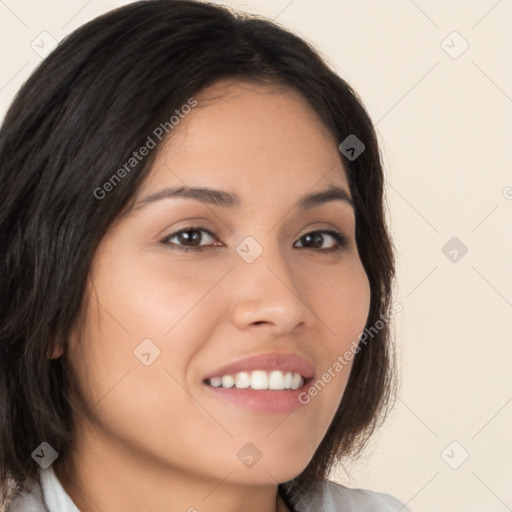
(265, 400)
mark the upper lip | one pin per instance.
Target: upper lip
(267, 362)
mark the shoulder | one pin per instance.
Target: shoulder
(330, 497)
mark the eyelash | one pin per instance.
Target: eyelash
(341, 239)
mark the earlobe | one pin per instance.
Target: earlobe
(58, 351)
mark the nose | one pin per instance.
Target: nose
(268, 294)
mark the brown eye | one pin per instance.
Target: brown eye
(315, 239)
(188, 239)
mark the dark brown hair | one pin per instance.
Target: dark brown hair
(80, 115)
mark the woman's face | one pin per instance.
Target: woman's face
(162, 319)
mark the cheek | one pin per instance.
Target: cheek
(342, 301)
(153, 294)
(342, 297)
(137, 403)
(144, 312)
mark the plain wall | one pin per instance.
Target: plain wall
(444, 119)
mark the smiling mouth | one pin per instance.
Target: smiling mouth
(275, 380)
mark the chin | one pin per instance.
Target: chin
(269, 472)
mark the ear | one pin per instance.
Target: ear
(58, 351)
(58, 348)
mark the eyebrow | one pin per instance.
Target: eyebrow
(225, 199)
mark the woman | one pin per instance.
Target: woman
(194, 255)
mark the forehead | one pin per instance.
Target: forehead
(263, 139)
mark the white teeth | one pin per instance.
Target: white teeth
(228, 381)
(216, 382)
(242, 380)
(296, 381)
(259, 379)
(276, 380)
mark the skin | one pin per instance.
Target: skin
(153, 438)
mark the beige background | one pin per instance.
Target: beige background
(445, 126)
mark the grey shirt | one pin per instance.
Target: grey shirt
(48, 495)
